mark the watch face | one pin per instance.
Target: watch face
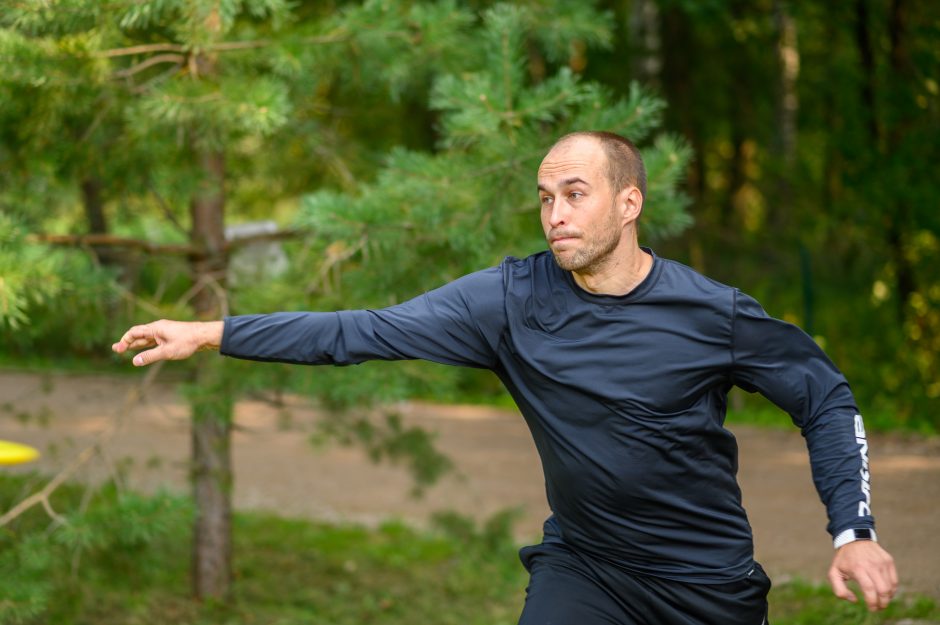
(862, 534)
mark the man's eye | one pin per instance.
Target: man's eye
(575, 195)
(547, 199)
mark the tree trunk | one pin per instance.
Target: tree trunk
(866, 57)
(832, 120)
(211, 400)
(212, 482)
(898, 219)
(741, 124)
(787, 107)
(93, 203)
(677, 47)
(645, 41)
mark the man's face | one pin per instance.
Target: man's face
(579, 214)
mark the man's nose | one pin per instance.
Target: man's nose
(559, 216)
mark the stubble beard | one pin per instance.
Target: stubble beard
(596, 254)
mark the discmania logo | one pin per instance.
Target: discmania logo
(864, 506)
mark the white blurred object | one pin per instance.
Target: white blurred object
(257, 261)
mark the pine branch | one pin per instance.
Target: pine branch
(156, 80)
(507, 53)
(99, 116)
(156, 249)
(142, 49)
(108, 240)
(42, 497)
(176, 59)
(167, 211)
(224, 46)
(207, 281)
(227, 46)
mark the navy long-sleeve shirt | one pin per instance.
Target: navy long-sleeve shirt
(625, 397)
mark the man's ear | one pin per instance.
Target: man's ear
(630, 201)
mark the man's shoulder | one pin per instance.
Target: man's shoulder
(670, 278)
(498, 278)
(679, 275)
(538, 259)
(679, 284)
(537, 271)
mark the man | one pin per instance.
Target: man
(620, 362)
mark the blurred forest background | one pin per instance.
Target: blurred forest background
(807, 135)
(194, 158)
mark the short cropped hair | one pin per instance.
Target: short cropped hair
(624, 163)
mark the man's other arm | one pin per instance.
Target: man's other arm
(459, 323)
(788, 367)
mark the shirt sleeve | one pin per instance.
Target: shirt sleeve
(785, 365)
(460, 323)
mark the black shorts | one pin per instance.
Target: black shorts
(568, 588)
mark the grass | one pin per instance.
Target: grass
(798, 602)
(760, 412)
(125, 561)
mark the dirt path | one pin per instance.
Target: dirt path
(277, 469)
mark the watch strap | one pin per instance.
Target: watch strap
(851, 535)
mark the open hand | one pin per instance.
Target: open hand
(169, 340)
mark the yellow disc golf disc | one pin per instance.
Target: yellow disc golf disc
(14, 453)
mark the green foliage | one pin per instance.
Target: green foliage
(27, 587)
(464, 205)
(102, 536)
(313, 97)
(471, 201)
(836, 235)
(28, 275)
(797, 602)
(494, 535)
(456, 572)
(137, 84)
(391, 441)
(212, 392)
(565, 30)
(34, 278)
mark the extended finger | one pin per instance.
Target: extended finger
(893, 576)
(150, 356)
(885, 587)
(122, 346)
(839, 587)
(869, 591)
(135, 338)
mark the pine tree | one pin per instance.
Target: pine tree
(177, 85)
(430, 217)
(179, 110)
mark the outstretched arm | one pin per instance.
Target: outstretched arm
(170, 340)
(459, 323)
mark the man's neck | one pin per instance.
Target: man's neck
(623, 272)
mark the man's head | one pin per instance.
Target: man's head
(591, 187)
(624, 162)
